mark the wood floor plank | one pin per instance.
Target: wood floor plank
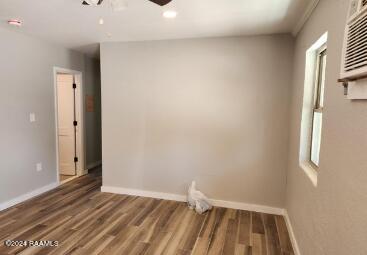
(152, 204)
(231, 237)
(142, 235)
(173, 244)
(285, 241)
(219, 233)
(159, 243)
(271, 235)
(85, 221)
(206, 233)
(175, 218)
(259, 244)
(257, 223)
(140, 249)
(119, 243)
(242, 249)
(193, 232)
(98, 245)
(244, 235)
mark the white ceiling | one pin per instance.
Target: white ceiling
(74, 26)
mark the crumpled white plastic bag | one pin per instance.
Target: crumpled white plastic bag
(197, 200)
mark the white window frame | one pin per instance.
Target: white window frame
(317, 107)
(308, 107)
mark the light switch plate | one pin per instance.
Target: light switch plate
(32, 117)
(39, 167)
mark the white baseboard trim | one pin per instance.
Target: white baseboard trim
(27, 196)
(181, 198)
(291, 234)
(94, 164)
(143, 193)
(248, 207)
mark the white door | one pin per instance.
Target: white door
(66, 135)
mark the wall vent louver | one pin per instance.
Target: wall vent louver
(354, 61)
(356, 52)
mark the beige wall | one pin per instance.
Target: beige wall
(27, 85)
(210, 110)
(330, 219)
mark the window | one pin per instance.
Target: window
(312, 109)
(318, 105)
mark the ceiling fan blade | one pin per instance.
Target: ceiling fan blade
(161, 2)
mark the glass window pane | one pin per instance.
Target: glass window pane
(316, 138)
(322, 80)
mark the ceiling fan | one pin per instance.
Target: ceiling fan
(99, 2)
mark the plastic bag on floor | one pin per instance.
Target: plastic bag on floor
(197, 200)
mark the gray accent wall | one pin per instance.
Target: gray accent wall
(93, 119)
(211, 110)
(27, 85)
(332, 217)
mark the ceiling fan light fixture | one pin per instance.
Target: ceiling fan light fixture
(161, 2)
(170, 14)
(92, 2)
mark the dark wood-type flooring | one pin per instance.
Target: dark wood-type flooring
(85, 221)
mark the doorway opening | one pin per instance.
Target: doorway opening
(70, 147)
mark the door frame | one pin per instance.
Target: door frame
(80, 136)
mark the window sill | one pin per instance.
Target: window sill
(310, 171)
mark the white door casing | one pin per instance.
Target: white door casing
(80, 150)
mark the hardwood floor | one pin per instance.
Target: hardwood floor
(85, 221)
